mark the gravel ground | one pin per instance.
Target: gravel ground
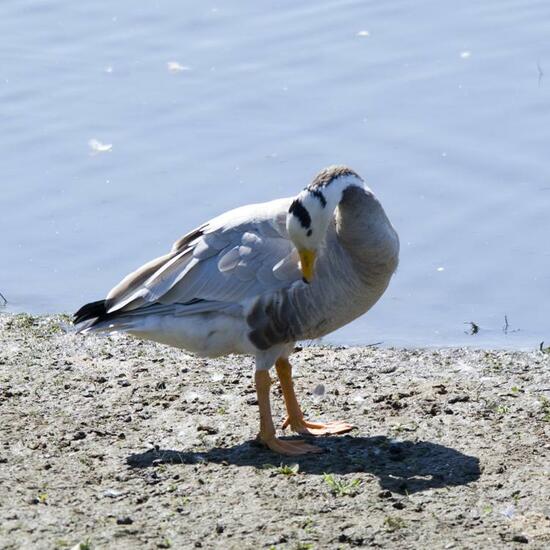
(116, 443)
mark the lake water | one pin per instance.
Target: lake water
(125, 124)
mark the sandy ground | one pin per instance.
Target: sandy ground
(115, 443)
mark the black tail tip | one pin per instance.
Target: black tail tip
(93, 310)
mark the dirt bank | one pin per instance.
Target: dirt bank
(115, 443)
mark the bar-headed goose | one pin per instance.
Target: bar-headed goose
(257, 279)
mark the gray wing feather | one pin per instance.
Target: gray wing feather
(237, 256)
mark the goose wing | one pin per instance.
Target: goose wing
(236, 256)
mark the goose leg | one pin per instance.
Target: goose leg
(267, 429)
(295, 418)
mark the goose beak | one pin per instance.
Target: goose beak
(307, 263)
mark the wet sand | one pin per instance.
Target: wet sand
(116, 443)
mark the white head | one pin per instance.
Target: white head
(312, 210)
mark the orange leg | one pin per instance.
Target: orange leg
(267, 429)
(295, 418)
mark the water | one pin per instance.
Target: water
(444, 108)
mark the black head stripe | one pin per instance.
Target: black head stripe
(320, 196)
(298, 209)
(326, 176)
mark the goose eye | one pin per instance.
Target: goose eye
(309, 232)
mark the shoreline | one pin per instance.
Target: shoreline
(64, 320)
(116, 442)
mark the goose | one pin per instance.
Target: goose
(259, 278)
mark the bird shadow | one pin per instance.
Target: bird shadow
(400, 466)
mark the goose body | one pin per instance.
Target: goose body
(237, 284)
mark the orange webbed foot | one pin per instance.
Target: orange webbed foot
(294, 447)
(305, 427)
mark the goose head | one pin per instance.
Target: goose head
(312, 211)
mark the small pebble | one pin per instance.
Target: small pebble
(111, 493)
(319, 390)
(460, 398)
(388, 369)
(208, 429)
(520, 538)
(124, 520)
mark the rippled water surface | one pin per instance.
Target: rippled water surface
(125, 124)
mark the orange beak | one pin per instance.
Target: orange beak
(307, 263)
